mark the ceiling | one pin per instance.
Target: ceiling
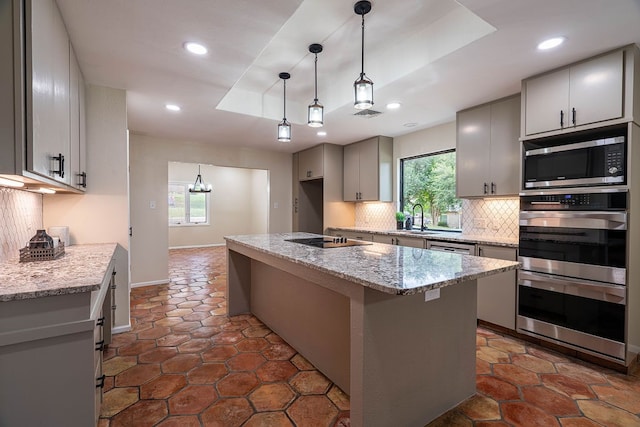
(435, 57)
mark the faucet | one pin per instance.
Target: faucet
(421, 215)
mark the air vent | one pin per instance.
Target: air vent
(367, 114)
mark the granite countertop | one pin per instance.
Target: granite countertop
(449, 236)
(391, 269)
(80, 269)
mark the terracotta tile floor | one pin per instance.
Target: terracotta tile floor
(185, 363)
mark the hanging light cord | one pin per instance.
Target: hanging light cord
(284, 99)
(362, 62)
(316, 78)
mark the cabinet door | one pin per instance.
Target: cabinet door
(383, 238)
(505, 147)
(311, 163)
(369, 174)
(83, 130)
(596, 89)
(351, 180)
(74, 119)
(49, 109)
(472, 151)
(412, 242)
(497, 293)
(295, 184)
(547, 102)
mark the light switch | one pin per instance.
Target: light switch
(275, 205)
(152, 204)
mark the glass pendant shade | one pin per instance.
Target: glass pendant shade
(199, 186)
(363, 88)
(284, 131)
(315, 114)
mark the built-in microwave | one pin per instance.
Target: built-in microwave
(587, 160)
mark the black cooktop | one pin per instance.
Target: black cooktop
(328, 242)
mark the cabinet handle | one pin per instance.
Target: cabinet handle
(479, 251)
(100, 321)
(114, 286)
(60, 159)
(82, 182)
(100, 345)
(100, 381)
(573, 116)
(561, 118)
(113, 307)
(486, 188)
(493, 188)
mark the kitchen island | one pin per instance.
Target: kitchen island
(393, 326)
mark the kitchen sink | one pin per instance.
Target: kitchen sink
(426, 232)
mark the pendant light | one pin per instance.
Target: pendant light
(315, 112)
(363, 87)
(284, 128)
(199, 186)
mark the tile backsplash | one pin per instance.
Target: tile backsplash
(480, 217)
(20, 217)
(491, 217)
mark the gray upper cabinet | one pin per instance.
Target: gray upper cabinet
(42, 97)
(48, 91)
(487, 149)
(311, 163)
(368, 170)
(586, 93)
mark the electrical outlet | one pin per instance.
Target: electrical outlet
(494, 225)
(480, 223)
(431, 294)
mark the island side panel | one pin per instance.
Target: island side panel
(312, 319)
(238, 283)
(417, 358)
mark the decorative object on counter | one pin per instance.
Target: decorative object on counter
(399, 220)
(408, 225)
(199, 186)
(62, 231)
(363, 86)
(41, 248)
(315, 112)
(284, 127)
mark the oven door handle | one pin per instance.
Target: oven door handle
(579, 287)
(591, 220)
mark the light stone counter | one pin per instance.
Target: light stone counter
(390, 269)
(448, 236)
(80, 269)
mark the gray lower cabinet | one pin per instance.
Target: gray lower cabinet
(51, 357)
(497, 294)
(412, 242)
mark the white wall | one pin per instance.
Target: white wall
(101, 215)
(238, 204)
(149, 176)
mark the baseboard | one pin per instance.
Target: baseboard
(197, 246)
(121, 329)
(152, 282)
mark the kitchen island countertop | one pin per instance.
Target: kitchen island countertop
(80, 269)
(390, 269)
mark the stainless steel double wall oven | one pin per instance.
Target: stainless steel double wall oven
(573, 242)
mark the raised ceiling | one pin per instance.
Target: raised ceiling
(433, 56)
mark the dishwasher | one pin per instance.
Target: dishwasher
(456, 248)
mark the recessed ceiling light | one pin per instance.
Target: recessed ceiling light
(195, 48)
(410, 124)
(172, 107)
(393, 105)
(551, 43)
(322, 133)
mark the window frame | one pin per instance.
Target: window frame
(401, 198)
(187, 207)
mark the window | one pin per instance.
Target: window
(430, 180)
(187, 208)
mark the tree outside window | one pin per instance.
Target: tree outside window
(185, 207)
(430, 180)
